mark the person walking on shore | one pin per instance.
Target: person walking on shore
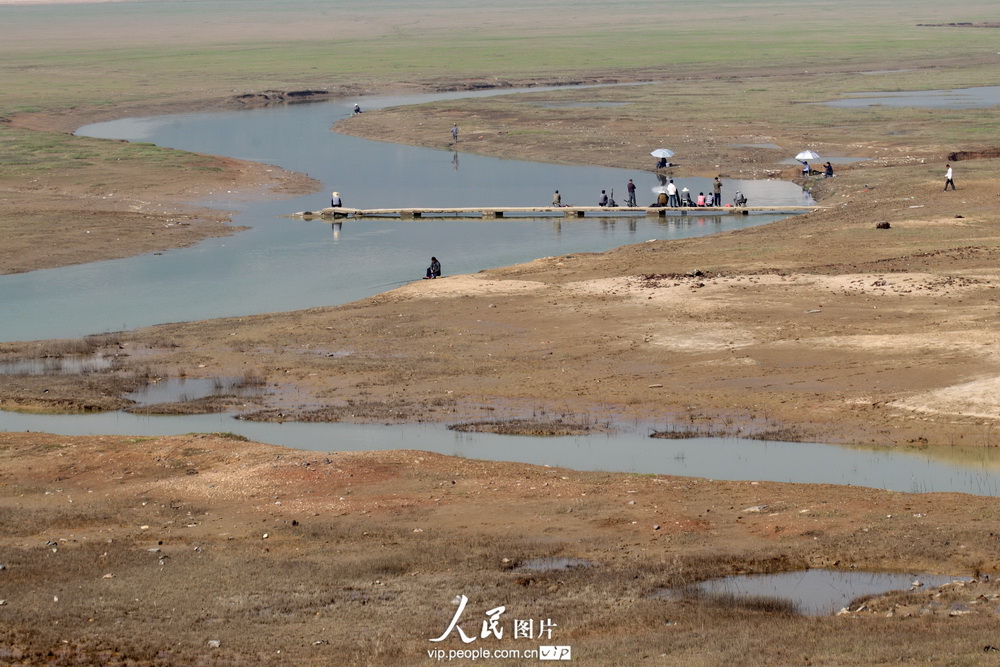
(948, 178)
(717, 192)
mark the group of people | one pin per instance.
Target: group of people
(827, 169)
(670, 196)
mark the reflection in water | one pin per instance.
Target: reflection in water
(170, 390)
(454, 160)
(65, 365)
(336, 230)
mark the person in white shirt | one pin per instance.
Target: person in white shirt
(672, 194)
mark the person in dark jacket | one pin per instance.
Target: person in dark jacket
(434, 270)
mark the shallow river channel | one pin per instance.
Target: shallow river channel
(282, 263)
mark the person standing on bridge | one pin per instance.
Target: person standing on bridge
(630, 189)
(335, 201)
(717, 192)
(672, 200)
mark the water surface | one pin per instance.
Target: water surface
(820, 592)
(628, 450)
(284, 264)
(958, 98)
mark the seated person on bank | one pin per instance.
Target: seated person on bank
(662, 164)
(827, 170)
(434, 270)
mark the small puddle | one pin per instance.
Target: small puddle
(67, 365)
(769, 146)
(182, 390)
(553, 563)
(980, 97)
(815, 592)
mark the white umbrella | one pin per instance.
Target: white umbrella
(807, 155)
(666, 152)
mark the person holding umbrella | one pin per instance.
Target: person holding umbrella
(662, 154)
(804, 158)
